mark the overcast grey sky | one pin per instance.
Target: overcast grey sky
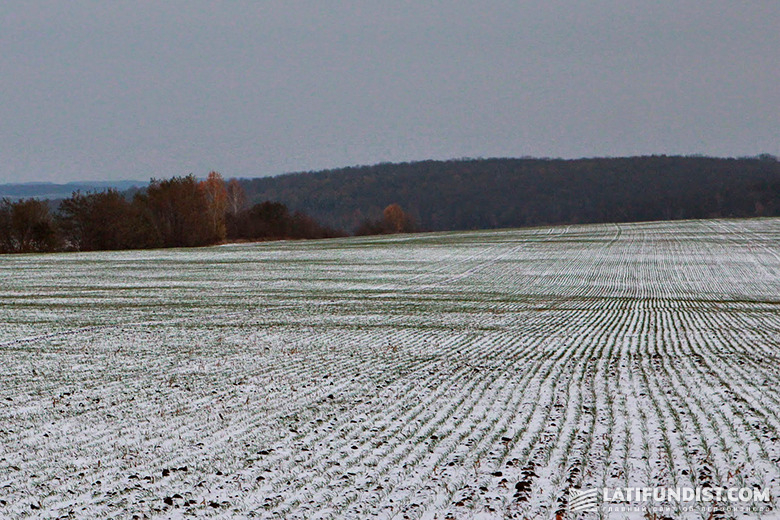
(130, 90)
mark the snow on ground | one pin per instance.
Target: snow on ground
(457, 375)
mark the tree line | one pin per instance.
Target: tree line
(501, 193)
(434, 195)
(176, 212)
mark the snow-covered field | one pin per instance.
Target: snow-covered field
(460, 375)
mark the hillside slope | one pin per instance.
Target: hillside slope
(50, 190)
(496, 193)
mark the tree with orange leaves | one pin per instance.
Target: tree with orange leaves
(216, 195)
(396, 219)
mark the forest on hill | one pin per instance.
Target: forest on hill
(497, 193)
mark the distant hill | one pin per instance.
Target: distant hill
(49, 190)
(495, 193)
